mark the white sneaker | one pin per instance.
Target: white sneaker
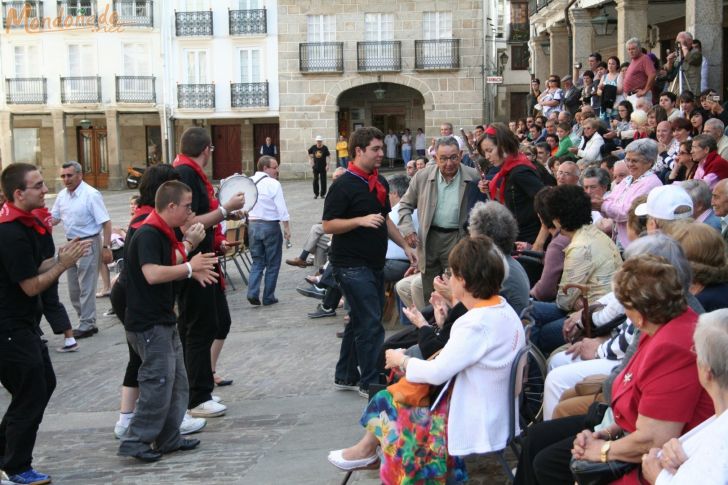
(208, 409)
(191, 425)
(217, 399)
(119, 430)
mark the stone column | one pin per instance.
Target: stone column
(631, 22)
(112, 138)
(59, 147)
(559, 58)
(7, 155)
(582, 35)
(539, 59)
(704, 19)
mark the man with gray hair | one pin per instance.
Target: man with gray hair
(440, 191)
(715, 128)
(81, 209)
(699, 192)
(640, 75)
(685, 61)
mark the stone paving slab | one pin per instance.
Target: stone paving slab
(283, 414)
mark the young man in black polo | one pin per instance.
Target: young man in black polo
(155, 259)
(25, 367)
(355, 212)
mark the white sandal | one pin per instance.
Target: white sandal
(337, 459)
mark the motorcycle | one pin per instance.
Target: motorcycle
(133, 176)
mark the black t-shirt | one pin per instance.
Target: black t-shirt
(20, 258)
(349, 197)
(200, 204)
(147, 305)
(319, 155)
(121, 280)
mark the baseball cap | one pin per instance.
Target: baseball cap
(663, 203)
(319, 138)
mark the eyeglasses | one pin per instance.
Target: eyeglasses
(211, 147)
(39, 186)
(187, 207)
(564, 174)
(683, 153)
(452, 158)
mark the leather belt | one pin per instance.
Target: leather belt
(85, 237)
(444, 229)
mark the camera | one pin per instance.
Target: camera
(577, 65)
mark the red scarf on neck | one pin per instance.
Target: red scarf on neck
(45, 217)
(140, 214)
(156, 221)
(185, 160)
(372, 179)
(498, 184)
(10, 213)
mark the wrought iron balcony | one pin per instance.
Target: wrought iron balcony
(437, 54)
(321, 57)
(196, 96)
(189, 24)
(536, 5)
(134, 13)
(520, 32)
(18, 13)
(249, 95)
(135, 89)
(26, 90)
(81, 89)
(246, 22)
(379, 56)
(78, 8)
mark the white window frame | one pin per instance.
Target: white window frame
(196, 5)
(200, 70)
(321, 28)
(86, 64)
(378, 27)
(437, 25)
(30, 65)
(250, 4)
(141, 62)
(250, 76)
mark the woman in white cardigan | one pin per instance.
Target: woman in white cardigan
(589, 148)
(423, 443)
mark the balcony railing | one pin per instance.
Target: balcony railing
(135, 89)
(196, 96)
(81, 89)
(437, 54)
(20, 12)
(536, 5)
(84, 11)
(379, 56)
(321, 57)
(520, 32)
(246, 22)
(249, 95)
(134, 13)
(26, 90)
(188, 24)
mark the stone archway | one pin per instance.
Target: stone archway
(331, 101)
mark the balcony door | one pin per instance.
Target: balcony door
(436, 26)
(93, 155)
(321, 28)
(196, 66)
(81, 64)
(228, 156)
(378, 28)
(250, 69)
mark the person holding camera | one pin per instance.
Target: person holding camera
(685, 61)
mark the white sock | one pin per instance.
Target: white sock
(69, 341)
(125, 418)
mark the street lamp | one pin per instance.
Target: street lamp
(603, 24)
(502, 62)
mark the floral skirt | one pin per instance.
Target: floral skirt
(413, 441)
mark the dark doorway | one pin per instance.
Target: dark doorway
(93, 155)
(518, 106)
(227, 158)
(260, 132)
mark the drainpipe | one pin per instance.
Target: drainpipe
(569, 32)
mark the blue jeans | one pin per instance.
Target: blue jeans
(547, 333)
(266, 244)
(343, 162)
(406, 154)
(363, 288)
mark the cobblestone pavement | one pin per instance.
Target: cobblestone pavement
(283, 414)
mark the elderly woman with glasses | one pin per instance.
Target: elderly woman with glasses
(700, 455)
(640, 155)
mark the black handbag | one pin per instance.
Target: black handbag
(597, 473)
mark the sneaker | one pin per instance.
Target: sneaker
(312, 291)
(191, 425)
(345, 386)
(217, 399)
(322, 312)
(109, 312)
(29, 477)
(119, 430)
(208, 409)
(68, 348)
(364, 393)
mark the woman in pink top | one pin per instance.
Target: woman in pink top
(640, 155)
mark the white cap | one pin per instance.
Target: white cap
(664, 201)
(319, 138)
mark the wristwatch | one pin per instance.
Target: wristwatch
(604, 451)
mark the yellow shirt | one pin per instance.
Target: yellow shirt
(342, 149)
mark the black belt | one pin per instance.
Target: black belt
(260, 220)
(85, 237)
(444, 229)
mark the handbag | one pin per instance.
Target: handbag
(597, 473)
(413, 393)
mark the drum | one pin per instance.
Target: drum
(235, 184)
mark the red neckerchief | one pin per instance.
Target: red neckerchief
(140, 213)
(10, 213)
(511, 162)
(45, 217)
(372, 179)
(154, 220)
(185, 160)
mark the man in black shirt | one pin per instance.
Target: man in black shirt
(355, 213)
(25, 367)
(155, 259)
(198, 310)
(317, 156)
